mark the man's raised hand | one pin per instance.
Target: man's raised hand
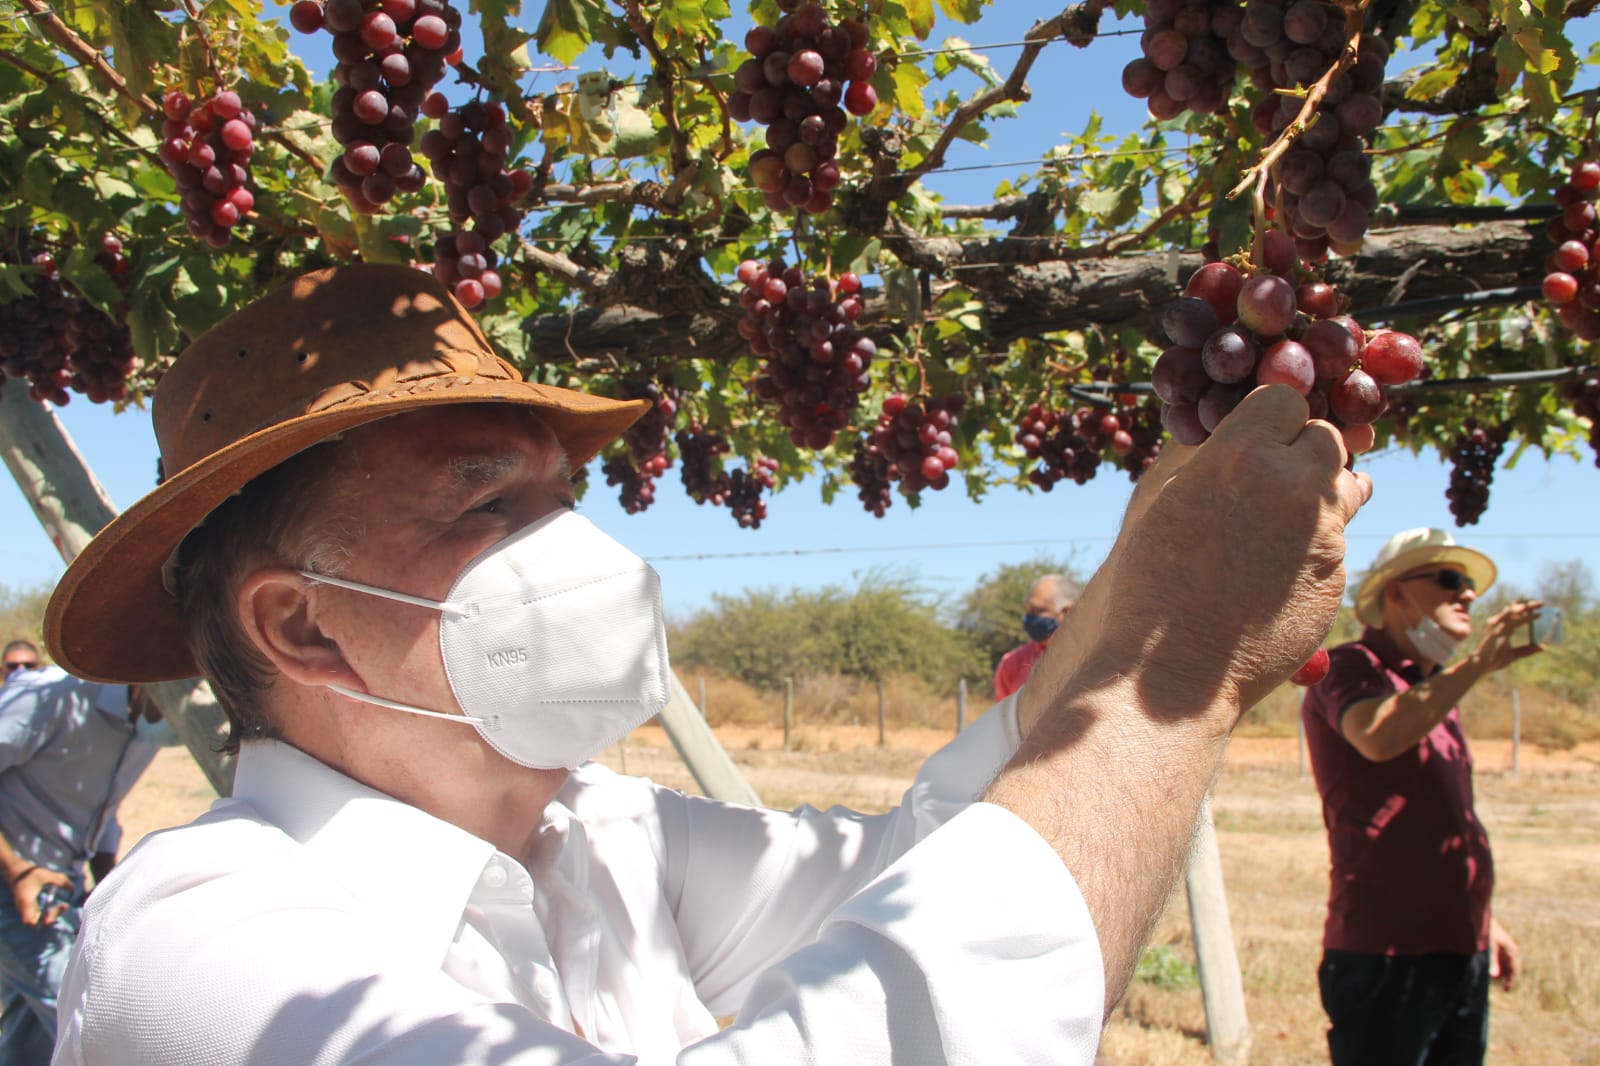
(1232, 573)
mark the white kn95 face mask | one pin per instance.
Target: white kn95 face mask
(553, 642)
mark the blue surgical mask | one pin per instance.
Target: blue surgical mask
(1040, 627)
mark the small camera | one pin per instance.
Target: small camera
(1550, 627)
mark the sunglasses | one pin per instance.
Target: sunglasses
(13, 667)
(1449, 580)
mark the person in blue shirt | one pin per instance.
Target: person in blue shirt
(70, 751)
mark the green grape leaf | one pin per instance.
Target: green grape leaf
(962, 10)
(563, 31)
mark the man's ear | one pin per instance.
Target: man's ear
(278, 611)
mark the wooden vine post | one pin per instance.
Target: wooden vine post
(1221, 983)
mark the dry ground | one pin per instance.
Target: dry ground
(1545, 822)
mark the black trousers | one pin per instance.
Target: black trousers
(1399, 1010)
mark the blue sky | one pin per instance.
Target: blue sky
(1541, 512)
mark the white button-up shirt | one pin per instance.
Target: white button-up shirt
(309, 919)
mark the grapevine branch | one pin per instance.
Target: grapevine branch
(590, 281)
(87, 54)
(1077, 24)
(205, 39)
(1476, 88)
(943, 254)
(1014, 88)
(644, 29)
(106, 127)
(1257, 174)
(673, 306)
(305, 156)
(1186, 205)
(642, 193)
(1001, 210)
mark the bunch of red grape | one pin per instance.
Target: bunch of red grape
(1186, 65)
(816, 360)
(637, 484)
(1402, 409)
(1572, 271)
(646, 440)
(799, 73)
(1472, 460)
(1584, 395)
(1324, 190)
(468, 153)
(1072, 444)
(745, 488)
(698, 465)
(464, 262)
(1230, 333)
(389, 54)
(1060, 440)
(1137, 439)
(207, 151)
(873, 476)
(56, 340)
(644, 446)
(914, 438)
(704, 480)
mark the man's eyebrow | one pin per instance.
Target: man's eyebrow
(476, 471)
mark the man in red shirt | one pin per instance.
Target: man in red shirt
(1410, 945)
(1049, 600)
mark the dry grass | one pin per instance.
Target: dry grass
(833, 700)
(1545, 824)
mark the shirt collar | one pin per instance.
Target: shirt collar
(405, 865)
(1389, 653)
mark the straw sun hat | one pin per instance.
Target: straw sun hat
(1409, 550)
(326, 353)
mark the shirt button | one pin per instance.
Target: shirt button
(493, 877)
(544, 986)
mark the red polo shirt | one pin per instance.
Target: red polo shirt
(1015, 666)
(1412, 873)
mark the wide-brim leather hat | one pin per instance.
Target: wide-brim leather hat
(326, 353)
(1408, 550)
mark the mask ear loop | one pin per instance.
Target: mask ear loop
(387, 594)
(399, 597)
(367, 697)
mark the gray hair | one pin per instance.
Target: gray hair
(1066, 590)
(297, 514)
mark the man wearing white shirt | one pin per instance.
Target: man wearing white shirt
(366, 543)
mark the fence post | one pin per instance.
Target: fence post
(961, 705)
(702, 695)
(1516, 733)
(788, 710)
(883, 738)
(1300, 740)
